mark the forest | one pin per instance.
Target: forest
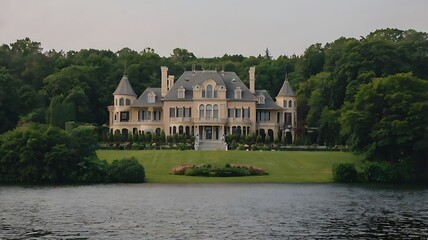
(368, 93)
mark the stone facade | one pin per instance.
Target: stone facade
(205, 104)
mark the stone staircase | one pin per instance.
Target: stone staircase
(212, 145)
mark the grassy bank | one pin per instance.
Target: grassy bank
(281, 166)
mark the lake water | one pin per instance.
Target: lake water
(213, 211)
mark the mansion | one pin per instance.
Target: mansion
(204, 104)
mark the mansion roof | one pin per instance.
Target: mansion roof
(230, 80)
(286, 90)
(124, 88)
(143, 99)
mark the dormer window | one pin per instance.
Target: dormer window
(209, 93)
(261, 99)
(181, 92)
(151, 97)
(238, 93)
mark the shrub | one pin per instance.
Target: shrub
(206, 170)
(198, 171)
(345, 172)
(180, 169)
(126, 171)
(380, 172)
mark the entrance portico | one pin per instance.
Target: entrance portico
(210, 132)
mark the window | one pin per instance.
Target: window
(209, 111)
(215, 111)
(290, 104)
(149, 115)
(230, 112)
(124, 116)
(151, 97)
(179, 112)
(121, 102)
(288, 118)
(155, 115)
(238, 113)
(181, 92)
(141, 115)
(263, 116)
(284, 103)
(246, 113)
(128, 102)
(209, 91)
(171, 112)
(187, 112)
(201, 111)
(238, 93)
(261, 99)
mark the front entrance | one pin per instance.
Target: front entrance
(208, 133)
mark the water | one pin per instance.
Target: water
(213, 211)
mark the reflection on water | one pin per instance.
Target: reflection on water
(221, 211)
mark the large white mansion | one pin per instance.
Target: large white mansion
(206, 104)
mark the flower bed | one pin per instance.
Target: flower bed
(206, 170)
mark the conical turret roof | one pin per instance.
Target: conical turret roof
(286, 90)
(124, 87)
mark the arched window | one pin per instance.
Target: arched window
(181, 92)
(128, 102)
(201, 110)
(238, 93)
(261, 99)
(121, 103)
(209, 110)
(209, 91)
(151, 97)
(215, 112)
(290, 104)
(180, 130)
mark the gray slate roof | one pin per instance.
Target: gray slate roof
(269, 103)
(142, 100)
(286, 90)
(124, 87)
(228, 79)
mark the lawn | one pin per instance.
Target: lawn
(284, 166)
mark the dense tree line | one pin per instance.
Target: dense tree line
(369, 93)
(39, 153)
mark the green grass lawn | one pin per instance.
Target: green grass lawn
(284, 166)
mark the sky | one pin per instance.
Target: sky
(207, 28)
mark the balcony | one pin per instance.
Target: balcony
(210, 120)
(239, 120)
(132, 123)
(181, 119)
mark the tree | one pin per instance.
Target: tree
(38, 153)
(388, 120)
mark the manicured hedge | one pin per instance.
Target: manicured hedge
(206, 170)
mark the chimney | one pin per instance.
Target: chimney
(164, 80)
(170, 81)
(252, 74)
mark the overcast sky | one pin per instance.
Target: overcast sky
(206, 28)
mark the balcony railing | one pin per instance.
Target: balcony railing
(209, 120)
(239, 120)
(181, 119)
